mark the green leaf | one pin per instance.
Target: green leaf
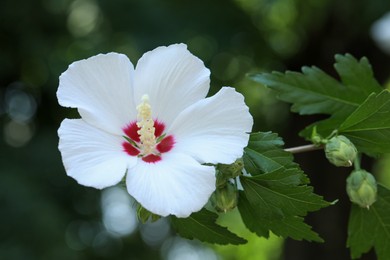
(315, 92)
(264, 154)
(277, 195)
(310, 92)
(293, 227)
(371, 228)
(282, 177)
(357, 74)
(256, 224)
(201, 225)
(275, 200)
(368, 126)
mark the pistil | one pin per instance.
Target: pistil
(146, 126)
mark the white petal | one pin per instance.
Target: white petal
(173, 78)
(101, 88)
(215, 129)
(176, 185)
(91, 156)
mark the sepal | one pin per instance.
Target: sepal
(362, 188)
(340, 151)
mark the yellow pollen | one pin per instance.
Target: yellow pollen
(146, 125)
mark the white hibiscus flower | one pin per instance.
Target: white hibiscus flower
(152, 123)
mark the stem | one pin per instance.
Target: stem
(356, 162)
(304, 148)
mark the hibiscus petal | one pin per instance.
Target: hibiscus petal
(176, 185)
(91, 156)
(101, 88)
(215, 129)
(173, 78)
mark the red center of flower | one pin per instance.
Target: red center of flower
(133, 145)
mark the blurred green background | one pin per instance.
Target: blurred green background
(46, 215)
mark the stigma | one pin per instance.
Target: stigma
(146, 127)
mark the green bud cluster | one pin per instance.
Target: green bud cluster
(362, 188)
(225, 196)
(228, 171)
(340, 151)
(231, 170)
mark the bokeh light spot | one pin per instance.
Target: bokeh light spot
(17, 134)
(380, 32)
(83, 17)
(154, 234)
(179, 248)
(119, 217)
(20, 105)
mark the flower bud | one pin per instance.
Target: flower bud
(340, 151)
(362, 188)
(225, 199)
(231, 170)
